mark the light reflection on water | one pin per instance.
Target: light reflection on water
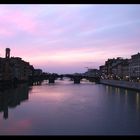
(65, 108)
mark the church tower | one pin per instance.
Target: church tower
(7, 54)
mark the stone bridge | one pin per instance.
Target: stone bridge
(52, 77)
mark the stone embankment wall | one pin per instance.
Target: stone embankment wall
(119, 83)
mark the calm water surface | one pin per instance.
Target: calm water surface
(65, 108)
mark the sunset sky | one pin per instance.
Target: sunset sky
(68, 38)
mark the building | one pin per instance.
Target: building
(92, 73)
(21, 69)
(111, 68)
(31, 70)
(37, 72)
(120, 70)
(103, 70)
(108, 65)
(125, 68)
(134, 66)
(12, 68)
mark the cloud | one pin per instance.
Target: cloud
(53, 35)
(14, 21)
(108, 27)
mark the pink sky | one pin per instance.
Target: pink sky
(68, 38)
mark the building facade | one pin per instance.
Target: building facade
(134, 66)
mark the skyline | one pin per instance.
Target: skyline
(67, 38)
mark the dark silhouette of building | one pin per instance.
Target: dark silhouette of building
(7, 54)
(16, 69)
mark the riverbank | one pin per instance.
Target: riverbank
(123, 84)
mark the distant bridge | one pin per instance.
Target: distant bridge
(52, 77)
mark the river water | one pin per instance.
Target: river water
(65, 108)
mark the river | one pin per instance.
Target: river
(65, 108)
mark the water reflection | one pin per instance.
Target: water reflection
(137, 101)
(10, 98)
(68, 109)
(107, 90)
(110, 88)
(124, 97)
(118, 91)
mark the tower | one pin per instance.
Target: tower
(7, 54)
